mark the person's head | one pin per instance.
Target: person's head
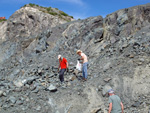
(111, 92)
(59, 57)
(79, 52)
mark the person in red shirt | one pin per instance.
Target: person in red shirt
(63, 65)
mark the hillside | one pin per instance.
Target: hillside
(1, 20)
(118, 49)
(52, 11)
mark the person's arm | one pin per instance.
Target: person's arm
(67, 64)
(122, 107)
(110, 108)
(82, 58)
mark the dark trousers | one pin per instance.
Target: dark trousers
(61, 74)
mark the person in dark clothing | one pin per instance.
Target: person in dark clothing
(63, 65)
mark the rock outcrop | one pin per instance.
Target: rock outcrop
(22, 27)
(118, 49)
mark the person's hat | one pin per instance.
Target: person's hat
(79, 51)
(59, 56)
(111, 91)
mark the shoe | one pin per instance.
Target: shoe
(84, 79)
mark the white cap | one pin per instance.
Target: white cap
(78, 51)
(59, 56)
(111, 91)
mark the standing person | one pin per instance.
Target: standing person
(63, 65)
(115, 104)
(85, 64)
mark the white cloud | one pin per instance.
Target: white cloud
(79, 2)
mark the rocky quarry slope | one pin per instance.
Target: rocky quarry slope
(118, 49)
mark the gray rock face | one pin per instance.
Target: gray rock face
(22, 28)
(29, 21)
(118, 51)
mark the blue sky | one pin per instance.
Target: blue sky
(76, 8)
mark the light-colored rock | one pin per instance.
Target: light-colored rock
(52, 88)
(1, 93)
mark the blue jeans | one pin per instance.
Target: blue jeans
(84, 70)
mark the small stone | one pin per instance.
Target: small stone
(131, 56)
(99, 88)
(18, 83)
(52, 88)
(19, 102)
(36, 90)
(5, 106)
(32, 87)
(18, 90)
(68, 84)
(125, 45)
(143, 33)
(4, 94)
(12, 99)
(113, 40)
(23, 109)
(30, 80)
(107, 79)
(1, 93)
(139, 63)
(136, 104)
(38, 108)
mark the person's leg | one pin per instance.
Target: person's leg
(83, 73)
(61, 75)
(85, 70)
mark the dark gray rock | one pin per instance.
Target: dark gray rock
(137, 104)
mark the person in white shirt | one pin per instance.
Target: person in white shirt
(85, 64)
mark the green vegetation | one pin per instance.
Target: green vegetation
(50, 10)
(24, 5)
(62, 13)
(1, 20)
(30, 4)
(53, 13)
(71, 16)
